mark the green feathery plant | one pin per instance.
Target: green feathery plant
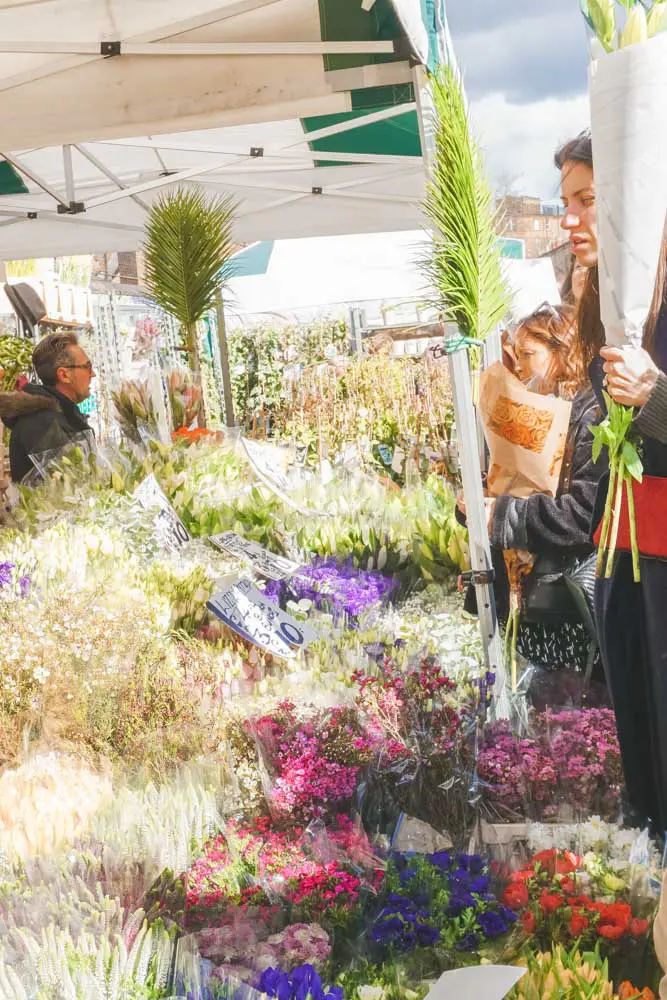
(463, 263)
(188, 248)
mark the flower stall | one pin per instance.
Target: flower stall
(251, 743)
(197, 815)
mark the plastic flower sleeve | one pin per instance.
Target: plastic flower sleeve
(628, 93)
(423, 728)
(565, 767)
(80, 449)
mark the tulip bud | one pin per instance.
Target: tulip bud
(636, 28)
(657, 18)
(603, 16)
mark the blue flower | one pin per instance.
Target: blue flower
(480, 884)
(441, 859)
(6, 573)
(460, 901)
(427, 935)
(302, 983)
(407, 875)
(491, 924)
(468, 943)
(471, 863)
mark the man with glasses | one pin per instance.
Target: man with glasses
(45, 418)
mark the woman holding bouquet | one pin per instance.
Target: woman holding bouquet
(553, 531)
(631, 617)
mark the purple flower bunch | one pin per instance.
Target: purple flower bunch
(338, 588)
(302, 983)
(401, 925)
(9, 580)
(439, 899)
(570, 756)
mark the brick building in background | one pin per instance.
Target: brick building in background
(528, 219)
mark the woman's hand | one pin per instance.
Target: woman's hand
(489, 508)
(631, 374)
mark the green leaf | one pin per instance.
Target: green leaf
(632, 461)
(188, 248)
(463, 262)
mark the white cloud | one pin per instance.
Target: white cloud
(520, 140)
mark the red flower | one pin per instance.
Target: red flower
(578, 923)
(516, 896)
(638, 927)
(550, 902)
(568, 885)
(529, 922)
(557, 863)
(612, 932)
(523, 876)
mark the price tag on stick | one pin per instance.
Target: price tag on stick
(170, 530)
(254, 617)
(270, 566)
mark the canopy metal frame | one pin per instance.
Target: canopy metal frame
(73, 201)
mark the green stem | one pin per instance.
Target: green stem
(508, 636)
(515, 636)
(618, 501)
(629, 485)
(606, 520)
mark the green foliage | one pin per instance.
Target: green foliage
(464, 262)
(15, 360)
(188, 246)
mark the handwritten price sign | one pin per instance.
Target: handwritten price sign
(251, 615)
(169, 529)
(270, 566)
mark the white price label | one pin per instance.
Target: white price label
(397, 461)
(266, 563)
(170, 530)
(254, 617)
(483, 982)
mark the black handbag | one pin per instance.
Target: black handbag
(560, 589)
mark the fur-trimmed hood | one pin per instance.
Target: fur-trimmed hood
(14, 405)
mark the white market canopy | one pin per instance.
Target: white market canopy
(107, 102)
(299, 280)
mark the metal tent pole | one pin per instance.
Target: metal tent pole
(228, 398)
(469, 455)
(480, 549)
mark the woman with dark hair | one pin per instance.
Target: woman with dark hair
(632, 618)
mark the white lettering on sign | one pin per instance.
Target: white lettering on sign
(169, 529)
(254, 617)
(266, 563)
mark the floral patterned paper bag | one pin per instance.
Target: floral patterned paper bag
(525, 433)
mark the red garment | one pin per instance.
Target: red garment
(650, 510)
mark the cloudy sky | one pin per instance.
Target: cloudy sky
(525, 65)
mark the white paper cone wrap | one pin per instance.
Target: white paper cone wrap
(629, 128)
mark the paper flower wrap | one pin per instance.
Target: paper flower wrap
(629, 128)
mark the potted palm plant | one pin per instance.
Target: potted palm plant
(188, 249)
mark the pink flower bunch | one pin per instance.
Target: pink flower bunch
(228, 942)
(314, 757)
(570, 756)
(317, 888)
(308, 784)
(412, 713)
(251, 867)
(298, 944)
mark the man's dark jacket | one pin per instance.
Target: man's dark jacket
(41, 420)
